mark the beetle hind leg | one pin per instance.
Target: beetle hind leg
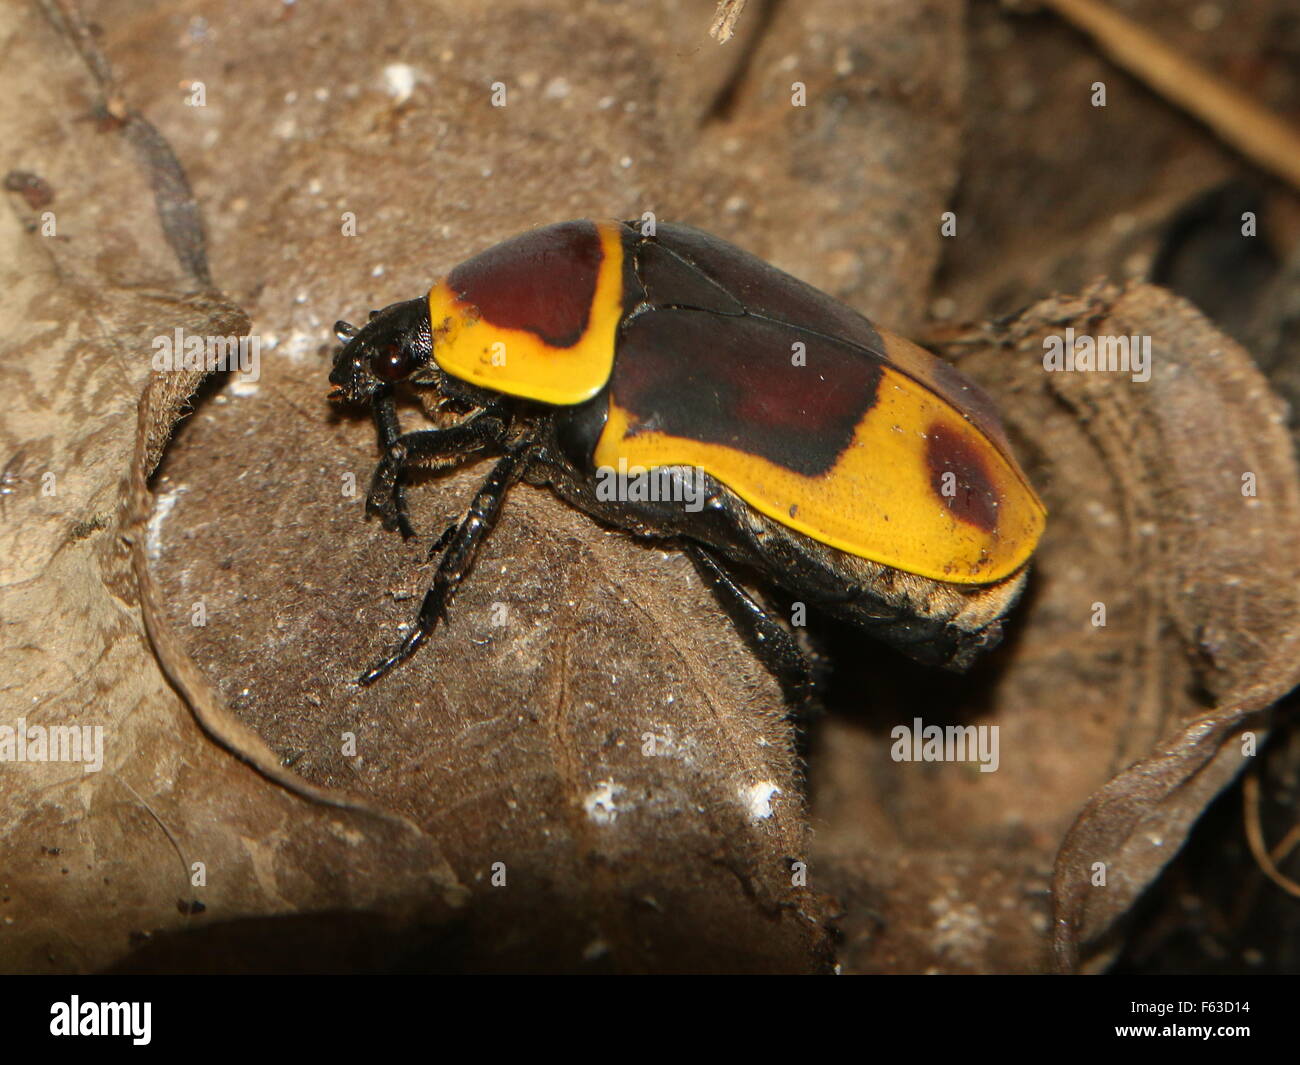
(774, 643)
(460, 548)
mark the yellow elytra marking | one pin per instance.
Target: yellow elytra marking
(878, 500)
(519, 363)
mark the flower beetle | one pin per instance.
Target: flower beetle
(801, 444)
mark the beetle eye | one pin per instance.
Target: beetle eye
(391, 362)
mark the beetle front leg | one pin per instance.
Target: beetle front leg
(458, 558)
(386, 497)
(392, 512)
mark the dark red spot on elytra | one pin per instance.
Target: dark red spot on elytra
(542, 282)
(959, 477)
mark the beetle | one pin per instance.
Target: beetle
(791, 439)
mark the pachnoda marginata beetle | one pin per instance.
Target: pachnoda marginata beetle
(830, 458)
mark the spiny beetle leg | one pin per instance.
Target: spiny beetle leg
(774, 643)
(392, 509)
(442, 540)
(387, 497)
(458, 559)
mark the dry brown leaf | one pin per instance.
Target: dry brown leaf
(1135, 722)
(94, 863)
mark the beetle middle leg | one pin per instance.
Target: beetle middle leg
(774, 643)
(386, 497)
(458, 557)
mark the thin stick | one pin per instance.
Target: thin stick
(1255, 837)
(724, 22)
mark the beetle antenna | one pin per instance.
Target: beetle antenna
(344, 331)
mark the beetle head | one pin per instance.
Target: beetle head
(392, 346)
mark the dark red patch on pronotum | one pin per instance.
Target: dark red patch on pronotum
(542, 281)
(969, 492)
